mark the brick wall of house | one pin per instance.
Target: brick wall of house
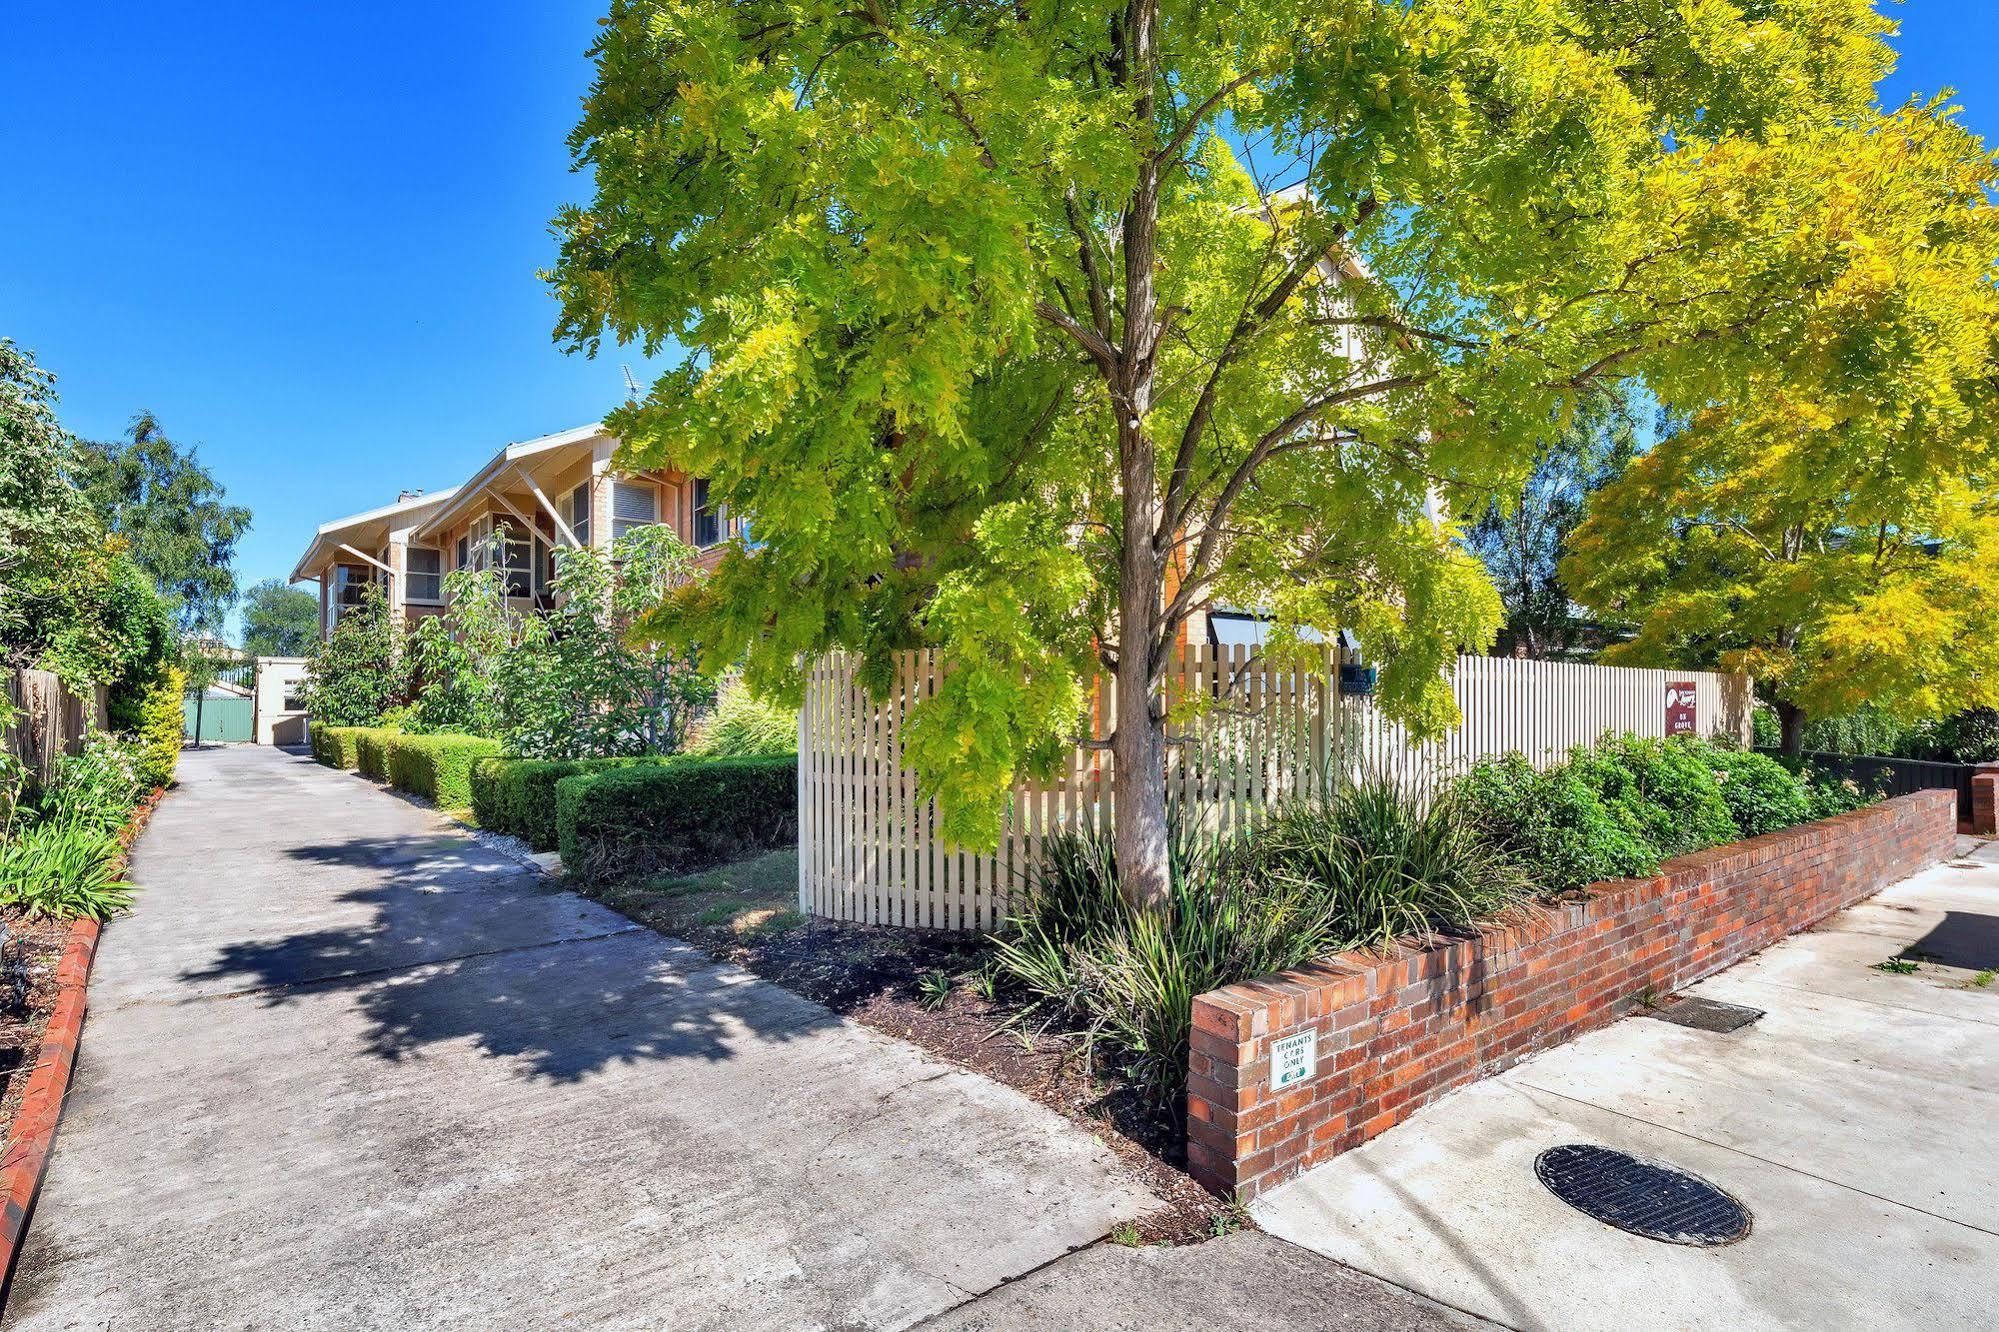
(1393, 1033)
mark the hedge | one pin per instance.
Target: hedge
(162, 727)
(337, 746)
(677, 818)
(371, 746)
(517, 795)
(436, 767)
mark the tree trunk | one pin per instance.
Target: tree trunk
(197, 717)
(1792, 718)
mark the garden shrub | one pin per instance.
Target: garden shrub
(1763, 795)
(371, 751)
(65, 867)
(1665, 788)
(337, 746)
(516, 796)
(1555, 822)
(675, 818)
(436, 767)
(161, 726)
(96, 787)
(742, 726)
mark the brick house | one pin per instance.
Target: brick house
(538, 497)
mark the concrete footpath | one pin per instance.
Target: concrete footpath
(1855, 1119)
(347, 1068)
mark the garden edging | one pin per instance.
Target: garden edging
(1389, 1032)
(34, 1128)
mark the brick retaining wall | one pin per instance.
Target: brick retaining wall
(1393, 1033)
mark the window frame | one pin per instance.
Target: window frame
(434, 576)
(621, 526)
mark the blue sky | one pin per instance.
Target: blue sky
(307, 235)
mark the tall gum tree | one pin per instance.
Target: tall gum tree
(1030, 330)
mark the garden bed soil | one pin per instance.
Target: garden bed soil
(746, 914)
(36, 947)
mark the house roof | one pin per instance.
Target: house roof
(500, 462)
(331, 535)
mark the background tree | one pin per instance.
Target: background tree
(1827, 522)
(41, 517)
(173, 517)
(1030, 331)
(1522, 538)
(279, 620)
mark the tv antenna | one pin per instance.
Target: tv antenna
(631, 384)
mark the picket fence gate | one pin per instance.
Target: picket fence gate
(50, 719)
(868, 846)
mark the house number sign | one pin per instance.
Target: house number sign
(1292, 1059)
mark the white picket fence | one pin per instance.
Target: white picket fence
(868, 849)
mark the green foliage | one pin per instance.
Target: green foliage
(678, 818)
(171, 514)
(517, 796)
(1664, 789)
(436, 767)
(279, 620)
(1831, 794)
(362, 669)
(1555, 822)
(96, 787)
(41, 516)
(371, 751)
(337, 746)
(160, 726)
(1762, 794)
(743, 725)
(999, 345)
(1363, 866)
(64, 868)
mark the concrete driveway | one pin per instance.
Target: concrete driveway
(345, 1068)
(1856, 1120)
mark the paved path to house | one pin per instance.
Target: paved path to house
(1858, 1120)
(346, 1069)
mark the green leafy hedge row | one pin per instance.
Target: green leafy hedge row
(436, 767)
(517, 795)
(1616, 809)
(676, 818)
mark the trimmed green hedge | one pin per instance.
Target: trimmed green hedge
(337, 746)
(635, 822)
(517, 795)
(371, 747)
(437, 767)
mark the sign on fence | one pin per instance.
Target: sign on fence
(868, 849)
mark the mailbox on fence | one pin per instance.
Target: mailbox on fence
(1357, 680)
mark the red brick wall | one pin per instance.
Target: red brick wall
(1394, 1033)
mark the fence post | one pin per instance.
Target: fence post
(1985, 800)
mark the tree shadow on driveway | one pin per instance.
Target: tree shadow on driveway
(441, 942)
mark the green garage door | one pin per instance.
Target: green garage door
(226, 720)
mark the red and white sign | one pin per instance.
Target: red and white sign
(1682, 717)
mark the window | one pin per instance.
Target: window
(464, 552)
(350, 581)
(426, 574)
(707, 517)
(632, 506)
(517, 561)
(293, 701)
(579, 513)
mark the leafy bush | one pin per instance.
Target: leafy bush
(371, 750)
(1762, 794)
(1665, 788)
(364, 666)
(675, 818)
(161, 725)
(96, 787)
(1554, 822)
(517, 796)
(743, 725)
(1828, 793)
(436, 767)
(337, 746)
(1362, 866)
(65, 868)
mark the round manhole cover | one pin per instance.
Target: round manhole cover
(1643, 1197)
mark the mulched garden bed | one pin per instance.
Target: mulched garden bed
(872, 974)
(28, 958)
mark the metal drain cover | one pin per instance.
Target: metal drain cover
(1691, 1010)
(1643, 1197)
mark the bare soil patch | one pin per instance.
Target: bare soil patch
(29, 953)
(894, 980)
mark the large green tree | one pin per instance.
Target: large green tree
(41, 516)
(1031, 330)
(174, 516)
(279, 620)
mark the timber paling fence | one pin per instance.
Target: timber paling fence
(50, 720)
(868, 848)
